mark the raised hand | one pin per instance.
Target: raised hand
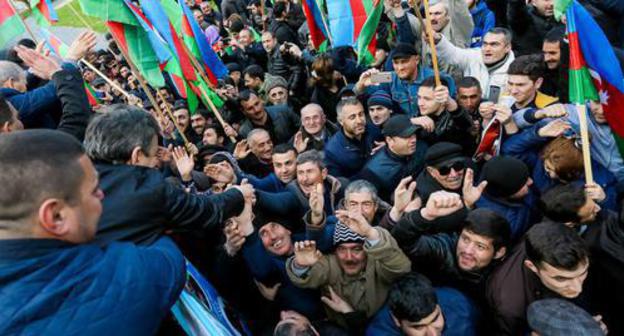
(554, 129)
(404, 193)
(241, 150)
(184, 163)
(306, 254)
(365, 80)
(234, 239)
(336, 303)
(41, 66)
(229, 131)
(440, 204)
(503, 114)
(300, 143)
(470, 192)
(247, 190)
(317, 203)
(218, 173)
(357, 223)
(441, 94)
(84, 43)
(244, 220)
(486, 110)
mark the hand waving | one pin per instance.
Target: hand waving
(337, 303)
(470, 192)
(306, 254)
(184, 163)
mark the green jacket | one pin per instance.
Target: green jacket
(365, 292)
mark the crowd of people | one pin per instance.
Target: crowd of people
(335, 198)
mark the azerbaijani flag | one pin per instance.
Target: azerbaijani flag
(316, 22)
(198, 44)
(158, 17)
(43, 12)
(91, 95)
(354, 23)
(10, 23)
(53, 43)
(595, 72)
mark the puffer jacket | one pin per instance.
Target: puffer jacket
(484, 20)
(50, 287)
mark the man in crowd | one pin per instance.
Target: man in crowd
(317, 130)
(279, 121)
(46, 253)
(346, 151)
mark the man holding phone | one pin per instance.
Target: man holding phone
(404, 81)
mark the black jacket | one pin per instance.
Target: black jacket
(287, 67)
(284, 122)
(76, 109)
(283, 32)
(528, 27)
(139, 205)
(453, 127)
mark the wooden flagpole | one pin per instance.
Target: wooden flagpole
(104, 77)
(582, 113)
(434, 53)
(10, 2)
(203, 75)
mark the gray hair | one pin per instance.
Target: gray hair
(312, 156)
(348, 101)
(501, 31)
(113, 135)
(362, 186)
(10, 70)
(312, 107)
(254, 132)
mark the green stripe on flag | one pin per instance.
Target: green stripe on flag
(373, 8)
(142, 54)
(560, 8)
(109, 10)
(10, 29)
(174, 13)
(581, 86)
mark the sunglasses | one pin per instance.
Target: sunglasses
(457, 166)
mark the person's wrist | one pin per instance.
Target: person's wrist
(186, 177)
(425, 214)
(372, 234)
(395, 214)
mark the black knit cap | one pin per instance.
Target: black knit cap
(505, 176)
(404, 50)
(343, 234)
(442, 153)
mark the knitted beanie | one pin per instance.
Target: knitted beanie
(271, 82)
(380, 98)
(505, 176)
(343, 234)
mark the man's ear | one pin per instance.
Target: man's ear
(539, 82)
(530, 265)
(324, 173)
(51, 217)
(135, 155)
(500, 252)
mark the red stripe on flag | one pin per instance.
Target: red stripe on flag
(117, 29)
(179, 84)
(577, 62)
(184, 58)
(6, 11)
(359, 16)
(186, 27)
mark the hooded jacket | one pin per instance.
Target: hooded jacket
(484, 20)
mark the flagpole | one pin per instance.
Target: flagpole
(434, 53)
(203, 75)
(582, 113)
(149, 94)
(82, 19)
(19, 15)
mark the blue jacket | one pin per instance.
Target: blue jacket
(484, 20)
(385, 169)
(460, 316)
(519, 214)
(35, 107)
(405, 93)
(525, 146)
(269, 183)
(50, 287)
(345, 157)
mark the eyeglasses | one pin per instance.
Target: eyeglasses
(457, 166)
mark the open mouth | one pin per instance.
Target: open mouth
(277, 244)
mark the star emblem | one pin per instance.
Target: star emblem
(604, 97)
